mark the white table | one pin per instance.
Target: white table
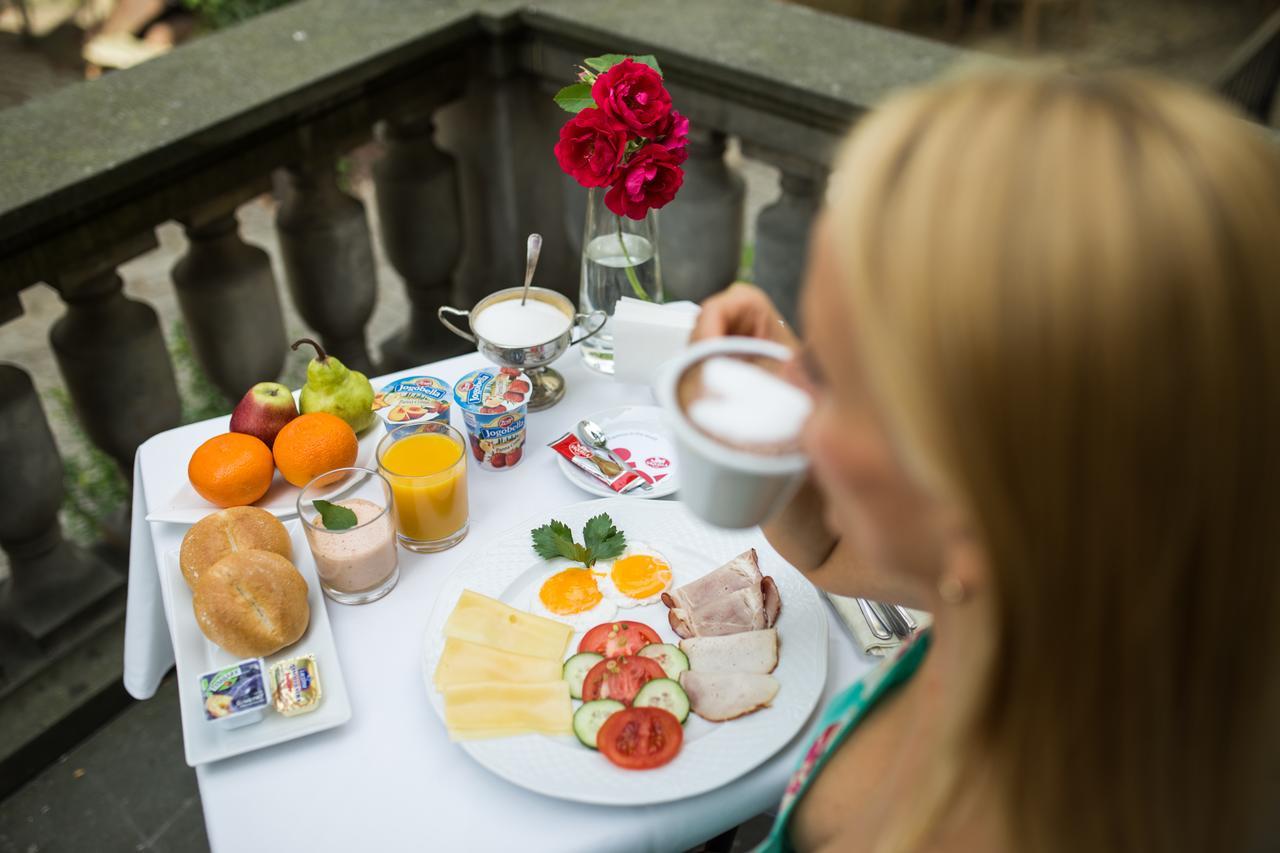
(391, 778)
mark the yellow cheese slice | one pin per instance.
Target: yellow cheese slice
(497, 709)
(465, 662)
(480, 619)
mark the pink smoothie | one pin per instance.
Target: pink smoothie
(359, 558)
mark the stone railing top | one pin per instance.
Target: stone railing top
(76, 153)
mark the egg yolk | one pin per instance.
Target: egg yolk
(570, 591)
(641, 575)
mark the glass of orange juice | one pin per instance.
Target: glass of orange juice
(426, 464)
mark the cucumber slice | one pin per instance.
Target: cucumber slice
(576, 669)
(665, 694)
(588, 719)
(669, 657)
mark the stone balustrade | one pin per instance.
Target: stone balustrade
(458, 92)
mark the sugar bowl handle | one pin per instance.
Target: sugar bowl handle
(445, 309)
(582, 320)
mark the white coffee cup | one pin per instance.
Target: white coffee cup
(727, 486)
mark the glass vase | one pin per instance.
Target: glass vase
(619, 258)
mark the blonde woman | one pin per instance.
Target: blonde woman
(1042, 324)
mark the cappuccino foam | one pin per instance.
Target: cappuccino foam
(745, 405)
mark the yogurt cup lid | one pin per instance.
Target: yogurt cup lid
(491, 390)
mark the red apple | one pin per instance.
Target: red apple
(263, 411)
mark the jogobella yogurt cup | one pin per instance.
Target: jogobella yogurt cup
(494, 402)
(413, 398)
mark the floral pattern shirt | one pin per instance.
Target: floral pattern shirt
(839, 718)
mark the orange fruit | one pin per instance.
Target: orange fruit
(313, 443)
(232, 469)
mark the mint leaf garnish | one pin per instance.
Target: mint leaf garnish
(335, 517)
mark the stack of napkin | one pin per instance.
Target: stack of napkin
(851, 615)
(647, 335)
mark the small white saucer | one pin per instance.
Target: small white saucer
(639, 435)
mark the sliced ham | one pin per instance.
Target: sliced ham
(720, 696)
(772, 601)
(742, 572)
(740, 610)
(749, 651)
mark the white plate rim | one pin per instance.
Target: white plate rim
(647, 789)
(335, 707)
(587, 483)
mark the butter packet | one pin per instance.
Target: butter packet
(295, 685)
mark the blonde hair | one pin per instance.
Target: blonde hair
(1067, 293)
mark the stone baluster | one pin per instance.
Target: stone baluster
(782, 229)
(328, 260)
(502, 133)
(701, 233)
(419, 220)
(230, 303)
(114, 362)
(51, 580)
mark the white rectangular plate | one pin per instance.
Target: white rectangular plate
(195, 655)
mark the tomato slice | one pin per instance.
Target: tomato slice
(640, 738)
(619, 678)
(618, 638)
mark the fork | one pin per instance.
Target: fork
(891, 620)
(877, 626)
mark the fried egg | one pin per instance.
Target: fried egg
(573, 596)
(636, 578)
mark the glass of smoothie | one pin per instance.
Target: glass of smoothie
(356, 557)
(426, 465)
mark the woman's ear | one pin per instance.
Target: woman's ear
(964, 570)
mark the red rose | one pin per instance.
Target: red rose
(632, 93)
(675, 136)
(591, 147)
(650, 179)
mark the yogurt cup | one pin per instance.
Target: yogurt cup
(494, 402)
(413, 398)
(727, 486)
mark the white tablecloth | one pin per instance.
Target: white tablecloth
(390, 778)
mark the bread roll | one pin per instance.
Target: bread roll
(226, 531)
(252, 603)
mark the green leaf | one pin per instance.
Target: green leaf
(603, 538)
(606, 61)
(335, 517)
(650, 60)
(575, 98)
(555, 540)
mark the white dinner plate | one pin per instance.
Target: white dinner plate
(713, 754)
(195, 655)
(641, 435)
(281, 500)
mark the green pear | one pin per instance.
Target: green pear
(332, 387)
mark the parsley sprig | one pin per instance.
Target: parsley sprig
(602, 541)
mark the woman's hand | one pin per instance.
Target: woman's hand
(746, 310)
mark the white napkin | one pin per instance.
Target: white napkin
(851, 615)
(148, 650)
(647, 335)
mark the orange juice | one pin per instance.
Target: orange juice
(428, 478)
